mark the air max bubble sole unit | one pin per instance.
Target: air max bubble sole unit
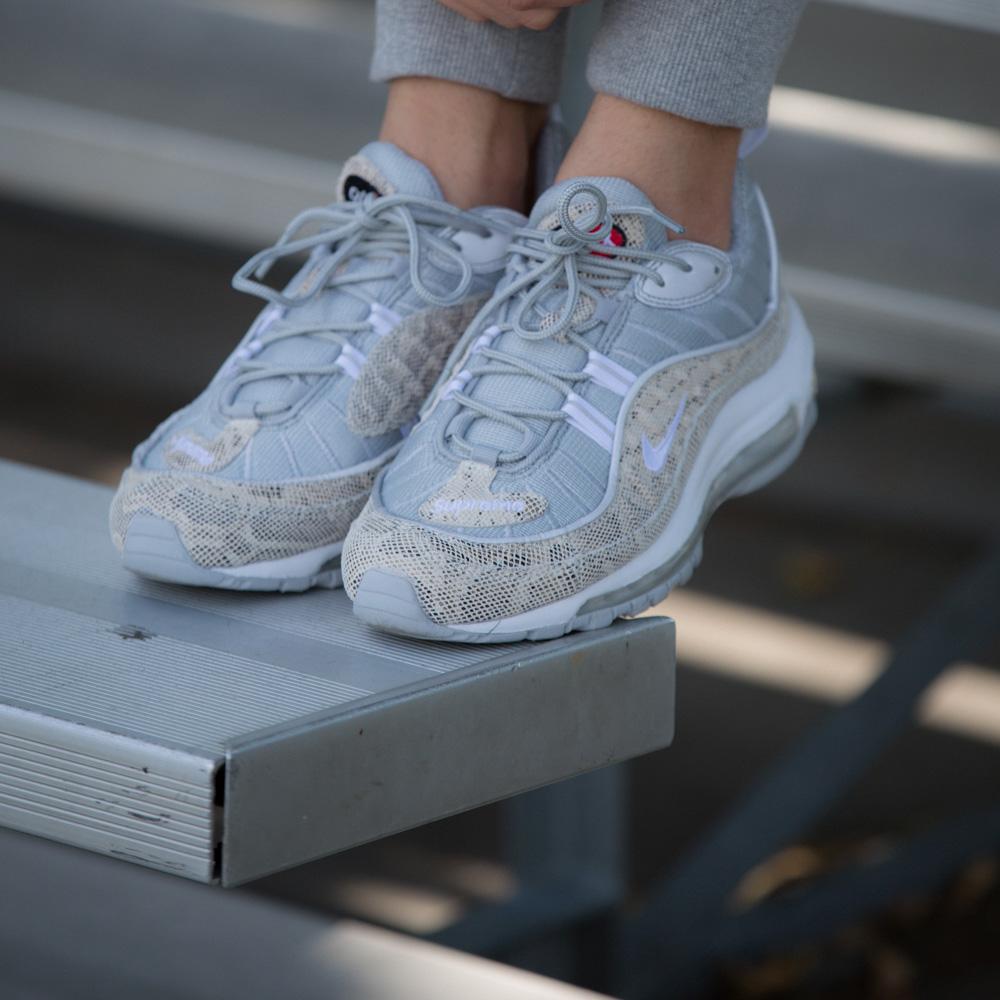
(616, 389)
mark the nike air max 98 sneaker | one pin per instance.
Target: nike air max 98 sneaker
(254, 484)
(615, 390)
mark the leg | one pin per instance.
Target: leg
(685, 167)
(476, 143)
(467, 99)
(676, 84)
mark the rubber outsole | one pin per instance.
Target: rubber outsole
(153, 548)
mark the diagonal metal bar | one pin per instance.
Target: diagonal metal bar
(671, 941)
(916, 865)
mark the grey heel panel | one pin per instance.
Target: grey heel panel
(153, 548)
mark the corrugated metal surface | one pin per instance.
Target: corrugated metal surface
(89, 669)
(116, 796)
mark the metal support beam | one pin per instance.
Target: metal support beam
(917, 865)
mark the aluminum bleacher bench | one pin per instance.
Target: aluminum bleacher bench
(225, 736)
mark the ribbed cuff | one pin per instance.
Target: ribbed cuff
(713, 61)
(424, 38)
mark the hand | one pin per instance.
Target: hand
(534, 14)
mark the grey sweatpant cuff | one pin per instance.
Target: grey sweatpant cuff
(424, 38)
(711, 60)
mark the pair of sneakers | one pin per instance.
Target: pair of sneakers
(487, 427)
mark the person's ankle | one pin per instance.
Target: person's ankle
(476, 143)
(686, 168)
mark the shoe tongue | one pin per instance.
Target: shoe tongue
(383, 169)
(380, 168)
(525, 391)
(628, 229)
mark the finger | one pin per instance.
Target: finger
(538, 20)
(467, 10)
(508, 13)
(524, 5)
(496, 11)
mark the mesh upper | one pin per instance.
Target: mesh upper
(567, 467)
(555, 352)
(403, 367)
(463, 580)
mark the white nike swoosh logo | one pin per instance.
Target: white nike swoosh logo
(654, 455)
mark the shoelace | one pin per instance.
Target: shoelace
(388, 227)
(561, 262)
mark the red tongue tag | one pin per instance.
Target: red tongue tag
(616, 238)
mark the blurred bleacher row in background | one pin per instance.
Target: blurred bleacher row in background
(219, 119)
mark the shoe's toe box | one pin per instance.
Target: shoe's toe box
(446, 580)
(227, 524)
(225, 494)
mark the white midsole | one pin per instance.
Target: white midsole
(303, 564)
(751, 412)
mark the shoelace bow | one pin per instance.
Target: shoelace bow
(564, 260)
(388, 227)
